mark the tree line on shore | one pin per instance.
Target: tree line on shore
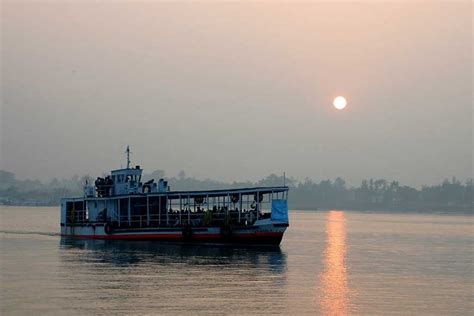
(371, 194)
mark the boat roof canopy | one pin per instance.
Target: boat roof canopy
(204, 193)
(127, 171)
(244, 191)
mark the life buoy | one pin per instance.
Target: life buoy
(187, 233)
(108, 229)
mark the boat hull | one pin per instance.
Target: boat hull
(261, 233)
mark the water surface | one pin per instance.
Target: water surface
(330, 262)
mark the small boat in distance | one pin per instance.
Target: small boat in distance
(120, 206)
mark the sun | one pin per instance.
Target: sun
(339, 103)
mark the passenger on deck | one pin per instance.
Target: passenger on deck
(251, 217)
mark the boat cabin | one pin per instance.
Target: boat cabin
(179, 208)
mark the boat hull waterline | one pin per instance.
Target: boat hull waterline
(271, 234)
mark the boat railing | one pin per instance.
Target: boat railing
(79, 216)
(181, 219)
(175, 218)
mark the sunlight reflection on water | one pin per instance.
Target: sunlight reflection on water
(333, 280)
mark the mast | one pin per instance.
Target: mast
(128, 156)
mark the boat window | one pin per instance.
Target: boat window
(79, 205)
(69, 206)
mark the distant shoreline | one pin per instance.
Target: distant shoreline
(433, 209)
(374, 195)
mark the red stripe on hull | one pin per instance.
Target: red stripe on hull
(258, 237)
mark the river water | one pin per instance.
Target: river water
(329, 263)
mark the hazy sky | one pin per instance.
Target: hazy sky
(238, 91)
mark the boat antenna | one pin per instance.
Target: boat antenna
(128, 156)
(284, 178)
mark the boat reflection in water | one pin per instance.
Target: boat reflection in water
(335, 293)
(123, 253)
(157, 277)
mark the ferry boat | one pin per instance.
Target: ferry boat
(121, 206)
